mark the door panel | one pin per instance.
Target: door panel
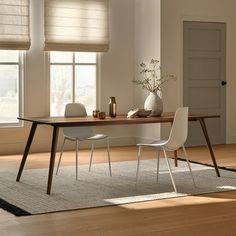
(203, 71)
(204, 68)
(204, 38)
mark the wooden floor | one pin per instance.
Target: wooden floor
(209, 214)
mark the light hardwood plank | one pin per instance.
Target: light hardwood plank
(208, 214)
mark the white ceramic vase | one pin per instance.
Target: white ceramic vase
(153, 102)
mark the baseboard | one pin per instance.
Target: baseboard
(44, 146)
(18, 148)
(232, 139)
(139, 139)
(114, 142)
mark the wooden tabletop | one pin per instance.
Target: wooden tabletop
(119, 120)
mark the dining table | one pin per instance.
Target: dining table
(57, 122)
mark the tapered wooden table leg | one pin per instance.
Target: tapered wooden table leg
(176, 158)
(52, 157)
(175, 154)
(204, 129)
(26, 152)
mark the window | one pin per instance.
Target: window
(73, 77)
(10, 87)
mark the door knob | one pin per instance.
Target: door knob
(223, 83)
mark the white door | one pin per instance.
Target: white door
(204, 77)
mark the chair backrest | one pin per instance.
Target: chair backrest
(77, 110)
(179, 129)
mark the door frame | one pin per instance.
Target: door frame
(227, 61)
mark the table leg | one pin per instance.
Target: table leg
(52, 157)
(204, 129)
(175, 154)
(26, 152)
(176, 158)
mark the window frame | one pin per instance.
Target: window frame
(74, 64)
(20, 82)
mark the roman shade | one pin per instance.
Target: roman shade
(14, 25)
(76, 25)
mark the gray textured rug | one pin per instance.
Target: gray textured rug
(97, 188)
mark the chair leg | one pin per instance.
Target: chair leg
(62, 150)
(190, 169)
(158, 164)
(139, 156)
(91, 156)
(170, 171)
(76, 156)
(108, 155)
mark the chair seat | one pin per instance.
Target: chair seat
(156, 144)
(97, 137)
(92, 138)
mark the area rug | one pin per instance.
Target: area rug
(97, 188)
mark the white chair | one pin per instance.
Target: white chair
(78, 134)
(177, 138)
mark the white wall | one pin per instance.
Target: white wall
(115, 79)
(147, 46)
(135, 37)
(172, 15)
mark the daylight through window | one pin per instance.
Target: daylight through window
(72, 79)
(10, 87)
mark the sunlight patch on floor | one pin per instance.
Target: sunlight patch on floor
(177, 202)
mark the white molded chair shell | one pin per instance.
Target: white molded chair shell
(176, 140)
(179, 130)
(80, 134)
(178, 134)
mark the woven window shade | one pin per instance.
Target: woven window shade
(14, 25)
(76, 25)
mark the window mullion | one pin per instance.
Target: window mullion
(73, 82)
(19, 83)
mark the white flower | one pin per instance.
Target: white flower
(151, 78)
